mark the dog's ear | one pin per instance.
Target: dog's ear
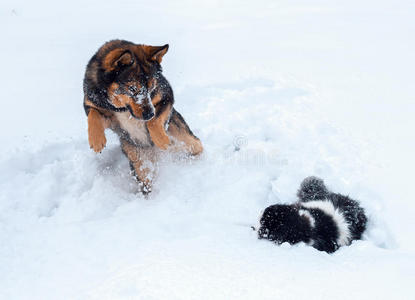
(125, 59)
(156, 53)
(118, 58)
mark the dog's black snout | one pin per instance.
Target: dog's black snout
(147, 115)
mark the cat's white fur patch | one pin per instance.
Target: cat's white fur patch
(310, 218)
(328, 208)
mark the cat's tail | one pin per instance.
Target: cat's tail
(312, 188)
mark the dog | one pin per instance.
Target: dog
(320, 218)
(124, 90)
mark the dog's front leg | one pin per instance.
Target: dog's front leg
(96, 130)
(156, 128)
(180, 131)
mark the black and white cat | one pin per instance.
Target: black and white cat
(320, 218)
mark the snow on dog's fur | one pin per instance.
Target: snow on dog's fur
(320, 218)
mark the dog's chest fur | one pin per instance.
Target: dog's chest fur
(136, 129)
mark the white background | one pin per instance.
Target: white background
(305, 87)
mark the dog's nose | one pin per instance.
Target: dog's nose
(148, 115)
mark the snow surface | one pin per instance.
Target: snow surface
(276, 90)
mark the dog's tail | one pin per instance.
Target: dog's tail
(312, 188)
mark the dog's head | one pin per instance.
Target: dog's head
(283, 223)
(130, 72)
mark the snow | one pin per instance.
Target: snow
(276, 91)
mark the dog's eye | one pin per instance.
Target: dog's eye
(132, 89)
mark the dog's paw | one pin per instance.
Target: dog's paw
(145, 187)
(97, 141)
(196, 148)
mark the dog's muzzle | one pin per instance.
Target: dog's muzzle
(148, 115)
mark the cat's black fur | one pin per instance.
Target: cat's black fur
(320, 218)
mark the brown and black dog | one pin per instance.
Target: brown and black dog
(124, 90)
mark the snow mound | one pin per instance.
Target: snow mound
(76, 217)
